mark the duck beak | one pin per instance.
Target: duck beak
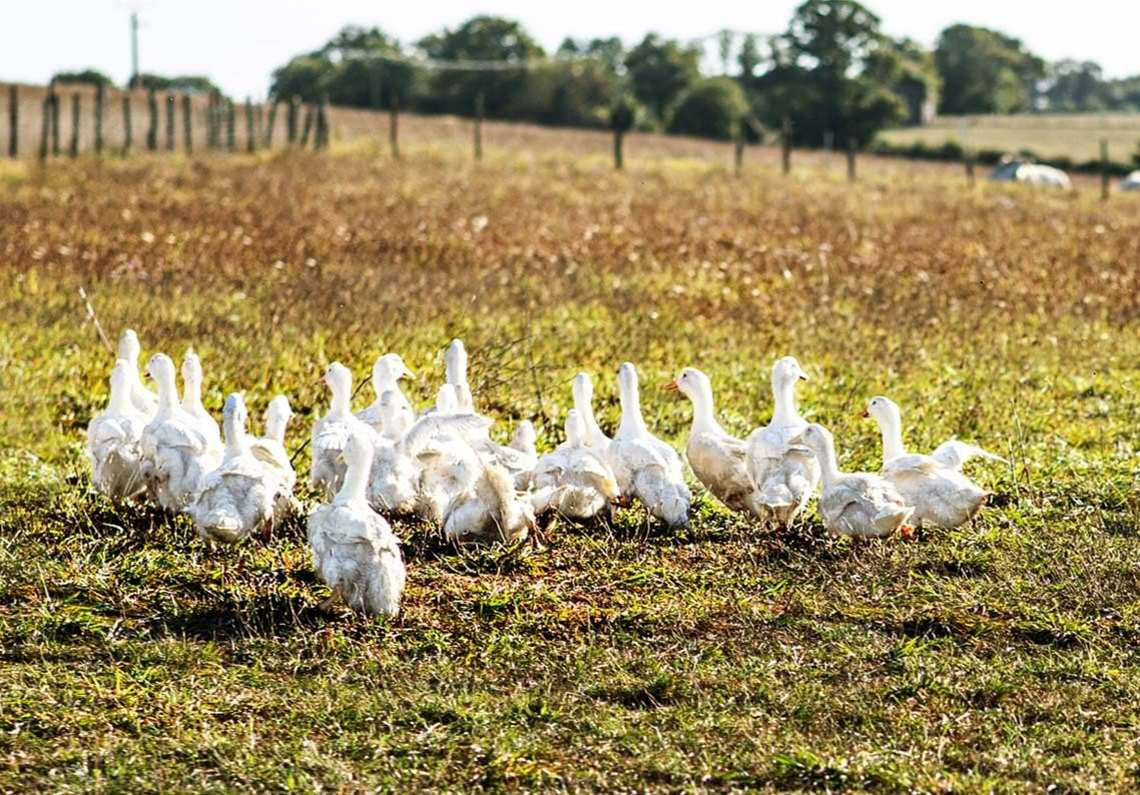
(407, 374)
(803, 376)
(672, 386)
(865, 414)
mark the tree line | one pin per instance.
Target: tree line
(832, 77)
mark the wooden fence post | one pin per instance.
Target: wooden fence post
(54, 121)
(394, 127)
(128, 133)
(1105, 178)
(231, 126)
(829, 141)
(187, 124)
(258, 122)
(321, 139)
(971, 178)
(73, 149)
(250, 133)
(45, 129)
(480, 107)
(291, 119)
(152, 121)
(738, 147)
(270, 122)
(13, 121)
(307, 127)
(852, 152)
(786, 144)
(170, 122)
(100, 96)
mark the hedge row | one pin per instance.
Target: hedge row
(952, 151)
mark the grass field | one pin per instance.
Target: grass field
(1074, 136)
(1001, 657)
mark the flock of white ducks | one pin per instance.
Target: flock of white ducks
(443, 467)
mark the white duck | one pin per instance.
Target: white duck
(270, 451)
(718, 459)
(455, 365)
(519, 457)
(940, 494)
(583, 391)
(785, 475)
(238, 497)
(394, 421)
(646, 467)
(398, 465)
(113, 439)
(142, 398)
(573, 479)
(332, 432)
(859, 504)
(175, 452)
(489, 509)
(192, 400)
(354, 549)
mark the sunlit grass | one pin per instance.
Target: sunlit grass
(1001, 656)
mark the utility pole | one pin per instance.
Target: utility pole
(134, 49)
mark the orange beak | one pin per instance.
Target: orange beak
(672, 386)
(865, 414)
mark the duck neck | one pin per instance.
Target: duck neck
(892, 440)
(237, 443)
(341, 403)
(192, 396)
(631, 419)
(828, 465)
(785, 400)
(120, 401)
(355, 488)
(704, 417)
(275, 429)
(167, 397)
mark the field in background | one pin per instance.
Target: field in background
(1076, 136)
(1004, 656)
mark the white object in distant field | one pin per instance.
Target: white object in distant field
(1012, 169)
(1131, 182)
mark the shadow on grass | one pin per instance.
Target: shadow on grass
(270, 615)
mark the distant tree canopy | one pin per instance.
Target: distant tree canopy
(984, 71)
(186, 84)
(488, 39)
(91, 77)
(833, 73)
(710, 108)
(660, 70)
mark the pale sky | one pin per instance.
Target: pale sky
(238, 43)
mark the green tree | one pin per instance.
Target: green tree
(358, 67)
(833, 71)
(304, 76)
(659, 71)
(92, 77)
(711, 108)
(482, 38)
(188, 84)
(1077, 86)
(984, 71)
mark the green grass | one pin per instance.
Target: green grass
(1004, 656)
(1076, 137)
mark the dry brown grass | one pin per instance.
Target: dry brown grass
(1000, 657)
